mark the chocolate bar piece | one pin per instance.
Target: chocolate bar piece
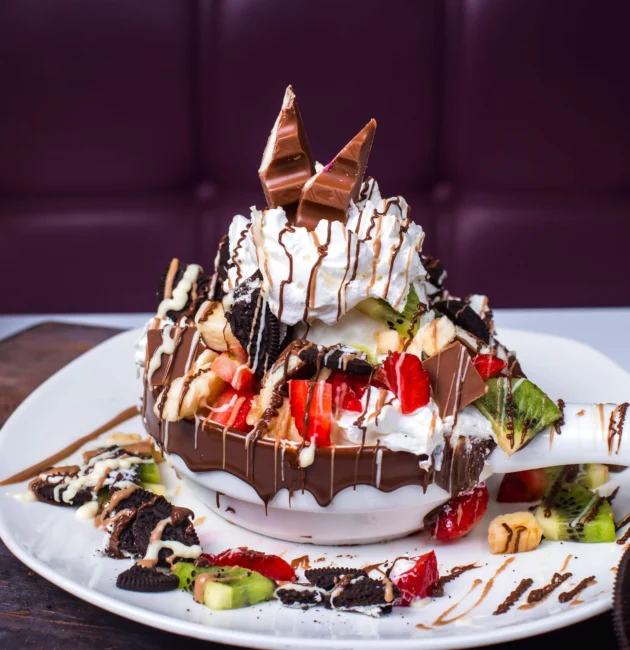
(164, 366)
(327, 195)
(455, 382)
(287, 163)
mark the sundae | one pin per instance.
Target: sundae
(324, 352)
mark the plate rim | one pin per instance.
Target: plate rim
(509, 632)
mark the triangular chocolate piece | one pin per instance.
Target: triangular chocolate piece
(455, 382)
(287, 163)
(327, 195)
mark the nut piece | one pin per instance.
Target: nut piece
(517, 532)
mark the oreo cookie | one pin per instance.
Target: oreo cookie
(464, 316)
(46, 489)
(139, 578)
(122, 541)
(436, 276)
(364, 595)
(222, 264)
(149, 516)
(338, 357)
(327, 577)
(257, 329)
(198, 292)
(301, 596)
(621, 603)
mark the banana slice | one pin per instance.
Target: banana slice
(435, 336)
(517, 532)
(214, 327)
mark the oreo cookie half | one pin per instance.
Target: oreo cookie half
(365, 596)
(139, 578)
(465, 317)
(327, 577)
(255, 326)
(301, 596)
(621, 603)
(149, 516)
(222, 264)
(46, 488)
(337, 357)
(436, 275)
(122, 541)
(198, 292)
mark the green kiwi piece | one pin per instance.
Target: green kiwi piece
(590, 475)
(382, 311)
(572, 513)
(149, 473)
(517, 410)
(235, 587)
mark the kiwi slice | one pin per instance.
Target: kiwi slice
(382, 311)
(149, 473)
(572, 513)
(233, 587)
(517, 410)
(156, 488)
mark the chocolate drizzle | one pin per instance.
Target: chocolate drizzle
(538, 595)
(615, 426)
(513, 598)
(438, 589)
(568, 596)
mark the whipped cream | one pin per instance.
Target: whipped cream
(420, 432)
(325, 273)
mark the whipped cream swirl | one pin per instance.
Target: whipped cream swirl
(324, 273)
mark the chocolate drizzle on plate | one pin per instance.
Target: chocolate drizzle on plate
(514, 597)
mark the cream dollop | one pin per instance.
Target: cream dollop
(325, 273)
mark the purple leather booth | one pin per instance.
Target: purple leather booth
(131, 132)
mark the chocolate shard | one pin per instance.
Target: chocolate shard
(455, 382)
(287, 162)
(328, 193)
(163, 368)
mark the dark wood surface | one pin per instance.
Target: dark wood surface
(35, 614)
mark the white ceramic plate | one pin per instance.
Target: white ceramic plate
(52, 542)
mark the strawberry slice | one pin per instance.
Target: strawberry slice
(522, 487)
(487, 365)
(418, 581)
(231, 409)
(316, 398)
(461, 514)
(348, 390)
(270, 566)
(408, 380)
(231, 366)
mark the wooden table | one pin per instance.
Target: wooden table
(35, 614)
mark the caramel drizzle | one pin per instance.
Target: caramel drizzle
(345, 275)
(401, 238)
(443, 620)
(38, 468)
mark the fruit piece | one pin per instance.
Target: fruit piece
(517, 410)
(316, 397)
(435, 336)
(213, 327)
(231, 409)
(238, 587)
(270, 566)
(149, 473)
(517, 532)
(232, 367)
(241, 588)
(156, 488)
(570, 512)
(382, 311)
(388, 341)
(593, 475)
(488, 365)
(460, 515)
(347, 391)
(408, 380)
(523, 487)
(418, 581)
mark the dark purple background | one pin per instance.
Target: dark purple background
(131, 132)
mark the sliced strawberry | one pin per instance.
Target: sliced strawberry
(461, 514)
(270, 566)
(231, 366)
(408, 380)
(488, 365)
(418, 581)
(521, 487)
(316, 398)
(348, 390)
(231, 408)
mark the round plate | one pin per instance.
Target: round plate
(95, 387)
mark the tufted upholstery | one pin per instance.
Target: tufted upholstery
(132, 131)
